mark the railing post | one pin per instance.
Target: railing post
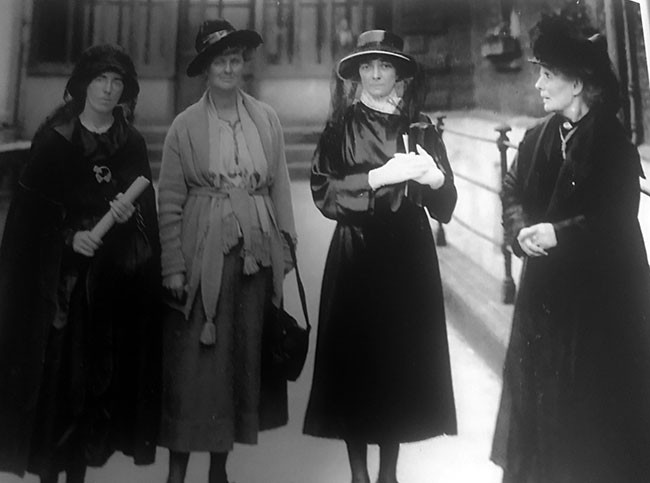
(508, 288)
(441, 237)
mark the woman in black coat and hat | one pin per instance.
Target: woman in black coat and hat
(575, 406)
(382, 373)
(79, 318)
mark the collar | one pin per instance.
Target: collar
(387, 105)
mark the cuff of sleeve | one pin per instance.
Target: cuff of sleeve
(516, 249)
(358, 182)
(360, 197)
(559, 229)
(68, 236)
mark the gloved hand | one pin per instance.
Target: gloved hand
(402, 167)
(433, 177)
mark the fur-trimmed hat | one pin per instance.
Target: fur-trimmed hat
(96, 60)
(214, 37)
(371, 44)
(561, 45)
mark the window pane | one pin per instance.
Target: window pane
(50, 30)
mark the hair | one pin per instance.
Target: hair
(577, 51)
(93, 62)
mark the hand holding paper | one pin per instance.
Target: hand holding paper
(85, 243)
(121, 209)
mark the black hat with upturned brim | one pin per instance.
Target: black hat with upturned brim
(214, 37)
(377, 43)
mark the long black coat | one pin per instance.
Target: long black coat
(79, 337)
(382, 368)
(576, 392)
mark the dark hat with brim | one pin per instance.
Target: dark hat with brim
(214, 37)
(98, 59)
(377, 43)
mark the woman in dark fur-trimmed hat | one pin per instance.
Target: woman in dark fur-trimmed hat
(79, 318)
(575, 406)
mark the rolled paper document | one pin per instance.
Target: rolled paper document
(131, 194)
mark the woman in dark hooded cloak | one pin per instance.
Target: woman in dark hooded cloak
(79, 315)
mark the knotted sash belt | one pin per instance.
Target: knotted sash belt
(207, 265)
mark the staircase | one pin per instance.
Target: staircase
(154, 136)
(300, 142)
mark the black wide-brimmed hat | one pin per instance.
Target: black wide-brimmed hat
(377, 42)
(214, 37)
(96, 60)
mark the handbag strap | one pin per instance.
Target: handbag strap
(301, 288)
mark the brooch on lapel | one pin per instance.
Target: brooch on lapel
(102, 174)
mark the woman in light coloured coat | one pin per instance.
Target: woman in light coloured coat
(224, 202)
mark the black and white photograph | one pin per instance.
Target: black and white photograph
(324, 241)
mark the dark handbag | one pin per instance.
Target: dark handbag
(285, 341)
(134, 249)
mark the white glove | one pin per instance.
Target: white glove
(433, 177)
(402, 167)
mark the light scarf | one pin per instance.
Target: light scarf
(237, 207)
(387, 105)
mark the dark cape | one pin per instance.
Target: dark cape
(575, 405)
(79, 337)
(382, 370)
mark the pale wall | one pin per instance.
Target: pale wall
(40, 96)
(10, 22)
(43, 94)
(297, 101)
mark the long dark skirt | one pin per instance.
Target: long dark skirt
(98, 391)
(214, 396)
(382, 370)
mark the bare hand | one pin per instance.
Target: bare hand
(85, 244)
(535, 240)
(121, 210)
(175, 285)
(433, 177)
